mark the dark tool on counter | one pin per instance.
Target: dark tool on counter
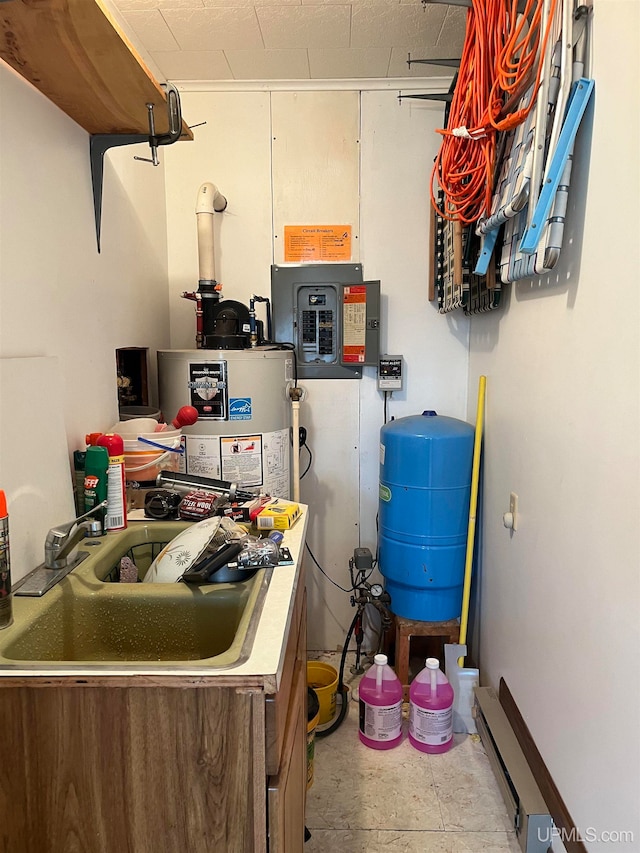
(161, 503)
(189, 483)
(211, 564)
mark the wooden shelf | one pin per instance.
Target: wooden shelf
(74, 53)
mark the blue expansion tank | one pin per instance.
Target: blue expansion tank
(425, 488)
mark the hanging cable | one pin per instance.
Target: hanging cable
(335, 583)
(502, 57)
(309, 463)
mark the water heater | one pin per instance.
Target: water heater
(244, 413)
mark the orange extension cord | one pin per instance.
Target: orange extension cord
(502, 54)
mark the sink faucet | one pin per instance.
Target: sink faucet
(61, 540)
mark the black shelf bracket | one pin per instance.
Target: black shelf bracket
(432, 96)
(100, 143)
(443, 97)
(445, 63)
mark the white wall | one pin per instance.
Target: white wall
(560, 597)
(281, 156)
(60, 298)
(233, 151)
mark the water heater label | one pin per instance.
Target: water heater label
(385, 493)
(202, 455)
(208, 389)
(241, 459)
(240, 409)
(261, 459)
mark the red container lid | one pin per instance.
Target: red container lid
(113, 442)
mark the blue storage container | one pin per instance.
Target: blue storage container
(425, 489)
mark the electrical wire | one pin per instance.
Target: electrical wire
(502, 56)
(385, 405)
(306, 545)
(306, 470)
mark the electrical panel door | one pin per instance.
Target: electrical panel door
(330, 315)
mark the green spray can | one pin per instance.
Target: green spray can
(96, 466)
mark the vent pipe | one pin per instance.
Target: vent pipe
(210, 200)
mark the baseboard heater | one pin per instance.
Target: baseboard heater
(527, 809)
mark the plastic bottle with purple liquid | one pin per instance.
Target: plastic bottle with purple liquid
(431, 709)
(380, 695)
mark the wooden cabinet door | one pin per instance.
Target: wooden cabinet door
(287, 788)
(117, 770)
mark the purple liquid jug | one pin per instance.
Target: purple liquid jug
(380, 695)
(431, 709)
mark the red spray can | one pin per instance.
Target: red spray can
(116, 488)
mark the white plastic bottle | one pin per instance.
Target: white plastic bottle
(380, 694)
(431, 709)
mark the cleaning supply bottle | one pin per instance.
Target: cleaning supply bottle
(78, 479)
(431, 709)
(116, 487)
(96, 465)
(6, 607)
(380, 695)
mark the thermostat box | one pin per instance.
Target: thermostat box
(390, 370)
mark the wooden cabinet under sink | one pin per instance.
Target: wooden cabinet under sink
(156, 764)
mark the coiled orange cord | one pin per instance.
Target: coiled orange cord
(502, 54)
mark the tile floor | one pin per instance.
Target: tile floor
(370, 800)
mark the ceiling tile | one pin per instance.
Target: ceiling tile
(215, 28)
(391, 25)
(236, 4)
(305, 26)
(143, 5)
(151, 29)
(268, 64)
(345, 63)
(252, 2)
(352, 2)
(193, 64)
(138, 5)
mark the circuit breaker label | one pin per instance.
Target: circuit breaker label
(354, 324)
(317, 243)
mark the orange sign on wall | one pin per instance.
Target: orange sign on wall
(317, 243)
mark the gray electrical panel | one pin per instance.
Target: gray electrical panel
(330, 315)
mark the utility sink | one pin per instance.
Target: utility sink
(87, 619)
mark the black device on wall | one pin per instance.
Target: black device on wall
(330, 315)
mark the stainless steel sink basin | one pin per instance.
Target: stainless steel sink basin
(88, 620)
